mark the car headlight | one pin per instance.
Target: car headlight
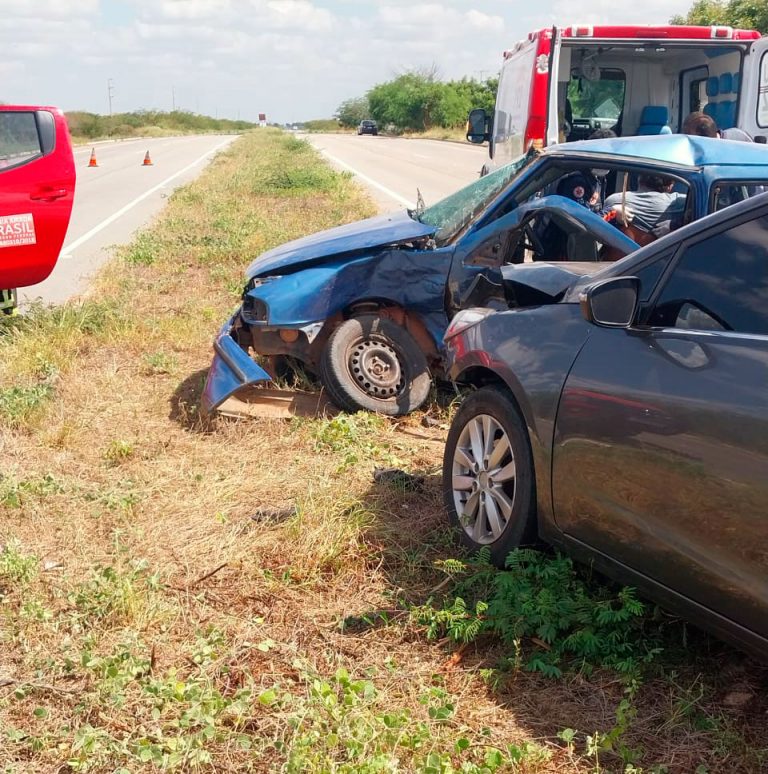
(253, 309)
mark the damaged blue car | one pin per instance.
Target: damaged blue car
(364, 306)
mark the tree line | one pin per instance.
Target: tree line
(743, 14)
(92, 125)
(417, 101)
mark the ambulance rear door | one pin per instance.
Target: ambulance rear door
(512, 104)
(753, 113)
(555, 119)
(37, 187)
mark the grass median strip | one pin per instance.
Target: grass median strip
(207, 594)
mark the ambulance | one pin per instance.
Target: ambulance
(563, 84)
(37, 188)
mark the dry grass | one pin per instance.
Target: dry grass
(177, 592)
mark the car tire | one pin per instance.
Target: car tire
(371, 363)
(502, 516)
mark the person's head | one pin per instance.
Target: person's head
(602, 134)
(657, 183)
(700, 125)
(581, 187)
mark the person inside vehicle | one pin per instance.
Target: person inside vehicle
(582, 187)
(700, 124)
(648, 213)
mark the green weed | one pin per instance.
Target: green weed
(119, 451)
(356, 436)
(341, 724)
(144, 249)
(156, 363)
(115, 596)
(19, 404)
(544, 602)
(16, 567)
(13, 493)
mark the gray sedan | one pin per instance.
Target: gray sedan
(623, 416)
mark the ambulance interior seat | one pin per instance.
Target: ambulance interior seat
(654, 120)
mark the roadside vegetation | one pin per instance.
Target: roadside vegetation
(744, 14)
(85, 126)
(418, 102)
(195, 594)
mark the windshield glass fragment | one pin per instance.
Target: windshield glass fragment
(452, 214)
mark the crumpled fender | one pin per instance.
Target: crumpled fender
(231, 369)
(413, 279)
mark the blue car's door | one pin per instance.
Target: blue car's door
(661, 443)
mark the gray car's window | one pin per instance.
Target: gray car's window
(720, 283)
(453, 213)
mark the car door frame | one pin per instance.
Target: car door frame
(554, 534)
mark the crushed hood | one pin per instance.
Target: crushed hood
(549, 279)
(354, 237)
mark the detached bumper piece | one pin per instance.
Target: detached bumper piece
(231, 369)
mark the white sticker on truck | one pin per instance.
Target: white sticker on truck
(17, 230)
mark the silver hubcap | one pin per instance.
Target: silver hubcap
(483, 479)
(376, 368)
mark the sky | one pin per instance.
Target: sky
(291, 59)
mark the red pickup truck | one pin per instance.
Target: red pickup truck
(37, 188)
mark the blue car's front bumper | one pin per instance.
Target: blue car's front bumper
(231, 369)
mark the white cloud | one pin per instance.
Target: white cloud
(293, 58)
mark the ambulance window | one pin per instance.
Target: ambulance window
(596, 99)
(762, 99)
(19, 138)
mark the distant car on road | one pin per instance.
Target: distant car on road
(364, 306)
(37, 185)
(624, 419)
(368, 127)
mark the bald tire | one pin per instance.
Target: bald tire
(348, 390)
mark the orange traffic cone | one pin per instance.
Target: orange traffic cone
(93, 162)
(147, 161)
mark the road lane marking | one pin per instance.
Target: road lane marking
(369, 180)
(119, 214)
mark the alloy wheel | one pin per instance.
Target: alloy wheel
(483, 479)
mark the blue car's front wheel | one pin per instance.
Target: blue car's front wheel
(371, 363)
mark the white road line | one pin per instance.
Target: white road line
(369, 180)
(119, 214)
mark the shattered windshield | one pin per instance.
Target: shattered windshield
(453, 213)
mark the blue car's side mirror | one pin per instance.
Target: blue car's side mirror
(611, 303)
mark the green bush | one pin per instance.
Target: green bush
(543, 603)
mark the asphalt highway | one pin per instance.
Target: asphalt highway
(115, 199)
(393, 168)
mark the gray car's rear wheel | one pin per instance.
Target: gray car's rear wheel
(374, 364)
(488, 486)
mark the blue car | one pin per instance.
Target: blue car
(364, 306)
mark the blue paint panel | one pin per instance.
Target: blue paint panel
(670, 149)
(361, 235)
(414, 279)
(230, 370)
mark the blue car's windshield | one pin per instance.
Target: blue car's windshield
(453, 213)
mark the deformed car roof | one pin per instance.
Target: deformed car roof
(680, 149)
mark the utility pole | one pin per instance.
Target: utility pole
(110, 92)
(173, 98)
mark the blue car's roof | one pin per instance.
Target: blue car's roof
(673, 149)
